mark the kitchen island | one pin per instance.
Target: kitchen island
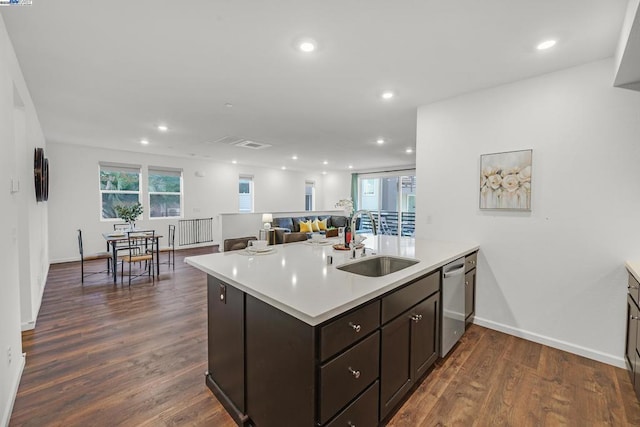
(293, 340)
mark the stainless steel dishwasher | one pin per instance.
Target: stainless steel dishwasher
(452, 305)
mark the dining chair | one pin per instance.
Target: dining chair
(237, 243)
(90, 257)
(171, 247)
(140, 249)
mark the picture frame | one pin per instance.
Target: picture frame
(505, 180)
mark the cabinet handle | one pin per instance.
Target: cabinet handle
(472, 262)
(356, 374)
(466, 282)
(416, 317)
(631, 287)
(632, 317)
(350, 424)
(355, 327)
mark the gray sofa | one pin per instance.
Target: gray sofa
(289, 224)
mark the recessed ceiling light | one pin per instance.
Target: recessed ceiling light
(350, 166)
(409, 150)
(324, 172)
(144, 141)
(234, 162)
(163, 128)
(283, 168)
(325, 162)
(380, 141)
(307, 45)
(546, 44)
(294, 157)
(228, 105)
(387, 94)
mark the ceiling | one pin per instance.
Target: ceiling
(106, 73)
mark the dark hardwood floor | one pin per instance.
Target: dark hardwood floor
(112, 356)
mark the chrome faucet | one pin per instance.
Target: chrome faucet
(352, 243)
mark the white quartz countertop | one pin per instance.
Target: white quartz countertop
(296, 279)
(634, 268)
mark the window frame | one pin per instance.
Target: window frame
(312, 185)
(249, 179)
(170, 172)
(117, 167)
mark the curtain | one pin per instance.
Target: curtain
(354, 191)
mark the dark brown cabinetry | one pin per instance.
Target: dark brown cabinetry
(632, 348)
(409, 343)
(225, 324)
(270, 369)
(470, 287)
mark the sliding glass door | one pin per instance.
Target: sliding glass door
(391, 199)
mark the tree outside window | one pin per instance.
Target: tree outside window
(165, 193)
(119, 186)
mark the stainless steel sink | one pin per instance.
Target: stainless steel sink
(378, 266)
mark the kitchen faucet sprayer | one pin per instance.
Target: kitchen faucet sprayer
(352, 243)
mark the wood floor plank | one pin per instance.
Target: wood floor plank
(105, 355)
(433, 386)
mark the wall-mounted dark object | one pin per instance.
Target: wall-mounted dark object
(41, 175)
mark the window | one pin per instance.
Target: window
(391, 197)
(119, 185)
(165, 192)
(309, 196)
(245, 194)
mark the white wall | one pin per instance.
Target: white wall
(23, 222)
(555, 275)
(336, 186)
(74, 200)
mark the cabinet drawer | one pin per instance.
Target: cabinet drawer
(362, 412)
(347, 375)
(402, 299)
(471, 261)
(348, 329)
(634, 288)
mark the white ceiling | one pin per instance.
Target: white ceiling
(105, 73)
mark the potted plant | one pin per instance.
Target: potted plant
(346, 205)
(129, 213)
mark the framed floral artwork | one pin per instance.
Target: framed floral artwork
(505, 180)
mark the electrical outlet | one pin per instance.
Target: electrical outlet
(9, 358)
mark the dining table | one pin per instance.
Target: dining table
(116, 237)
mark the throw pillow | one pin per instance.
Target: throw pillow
(322, 225)
(314, 225)
(305, 227)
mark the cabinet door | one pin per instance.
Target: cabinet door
(632, 331)
(470, 295)
(226, 339)
(395, 364)
(425, 324)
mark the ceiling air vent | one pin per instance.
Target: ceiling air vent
(229, 140)
(252, 144)
(241, 142)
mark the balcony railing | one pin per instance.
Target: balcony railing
(387, 222)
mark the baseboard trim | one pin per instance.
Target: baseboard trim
(27, 326)
(31, 324)
(6, 416)
(552, 342)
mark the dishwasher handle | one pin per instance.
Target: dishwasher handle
(455, 271)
